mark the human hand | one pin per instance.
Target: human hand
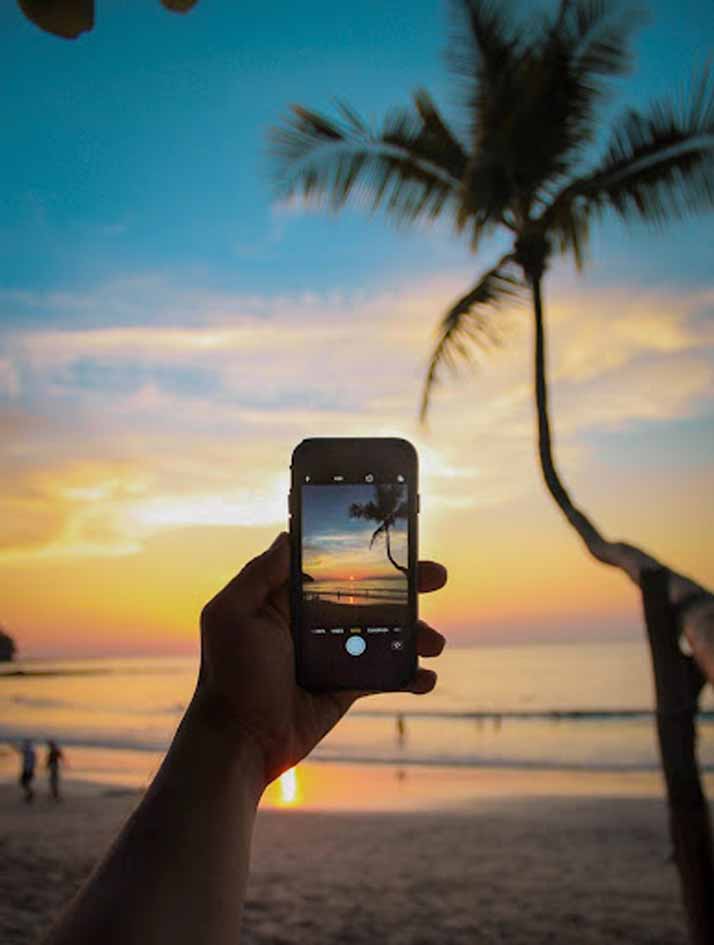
(246, 686)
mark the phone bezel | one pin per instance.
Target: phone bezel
(384, 457)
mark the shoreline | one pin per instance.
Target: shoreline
(349, 788)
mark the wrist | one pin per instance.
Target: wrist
(215, 740)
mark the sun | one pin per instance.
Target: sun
(352, 577)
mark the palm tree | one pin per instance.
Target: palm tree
(522, 166)
(388, 506)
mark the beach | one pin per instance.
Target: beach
(493, 856)
(522, 802)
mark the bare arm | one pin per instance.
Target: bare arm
(177, 872)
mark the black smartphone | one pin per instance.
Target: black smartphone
(353, 508)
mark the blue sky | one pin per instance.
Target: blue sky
(336, 543)
(169, 330)
(326, 508)
(141, 147)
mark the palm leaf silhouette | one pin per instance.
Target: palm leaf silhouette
(388, 506)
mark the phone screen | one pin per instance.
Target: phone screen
(355, 595)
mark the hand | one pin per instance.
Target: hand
(246, 686)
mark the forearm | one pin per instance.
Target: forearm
(178, 870)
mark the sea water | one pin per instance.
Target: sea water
(585, 706)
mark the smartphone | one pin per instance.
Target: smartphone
(353, 508)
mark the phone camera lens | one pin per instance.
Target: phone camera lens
(400, 478)
(369, 477)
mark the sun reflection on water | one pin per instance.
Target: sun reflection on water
(289, 788)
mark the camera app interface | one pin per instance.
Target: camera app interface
(355, 565)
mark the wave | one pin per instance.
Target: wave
(91, 671)
(474, 761)
(38, 702)
(72, 740)
(350, 756)
(543, 715)
(705, 716)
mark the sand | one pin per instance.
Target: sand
(505, 866)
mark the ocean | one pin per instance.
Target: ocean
(584, 706)
(367, 591)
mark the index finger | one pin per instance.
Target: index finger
(260, 578)
(430, 576)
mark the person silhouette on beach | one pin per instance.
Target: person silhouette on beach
(401, 737)
(28, 759)
(54, 759)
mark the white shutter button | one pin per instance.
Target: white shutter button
(355, 645)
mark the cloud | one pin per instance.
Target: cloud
(9, 379)
(122, 431)
(614, 328)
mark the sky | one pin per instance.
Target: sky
(339, 546)
(170, 329)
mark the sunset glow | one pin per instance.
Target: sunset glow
(289, 791)
(152, 387)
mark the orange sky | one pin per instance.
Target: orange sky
(123, 514)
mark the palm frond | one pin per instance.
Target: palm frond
(533, 102)
(412, 166)
(599, 33)
(569, 228)
(564, 84)
(435, 141)
(483, 41)
(481, 56)
(554, 118)
(368, 510)
(658, 165)
(468, 323)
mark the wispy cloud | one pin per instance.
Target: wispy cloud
(9, 379)
(124, 430)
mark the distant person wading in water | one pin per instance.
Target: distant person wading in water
(54, 759)
(27, 771)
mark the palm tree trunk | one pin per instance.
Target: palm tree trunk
(399, 567)
(695, 602)
(673, 604)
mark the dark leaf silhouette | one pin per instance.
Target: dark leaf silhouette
(70, 18)
(7, 646)
(388, 506)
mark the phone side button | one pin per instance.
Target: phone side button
(418, 503)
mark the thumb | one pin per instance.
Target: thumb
(249, 589)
